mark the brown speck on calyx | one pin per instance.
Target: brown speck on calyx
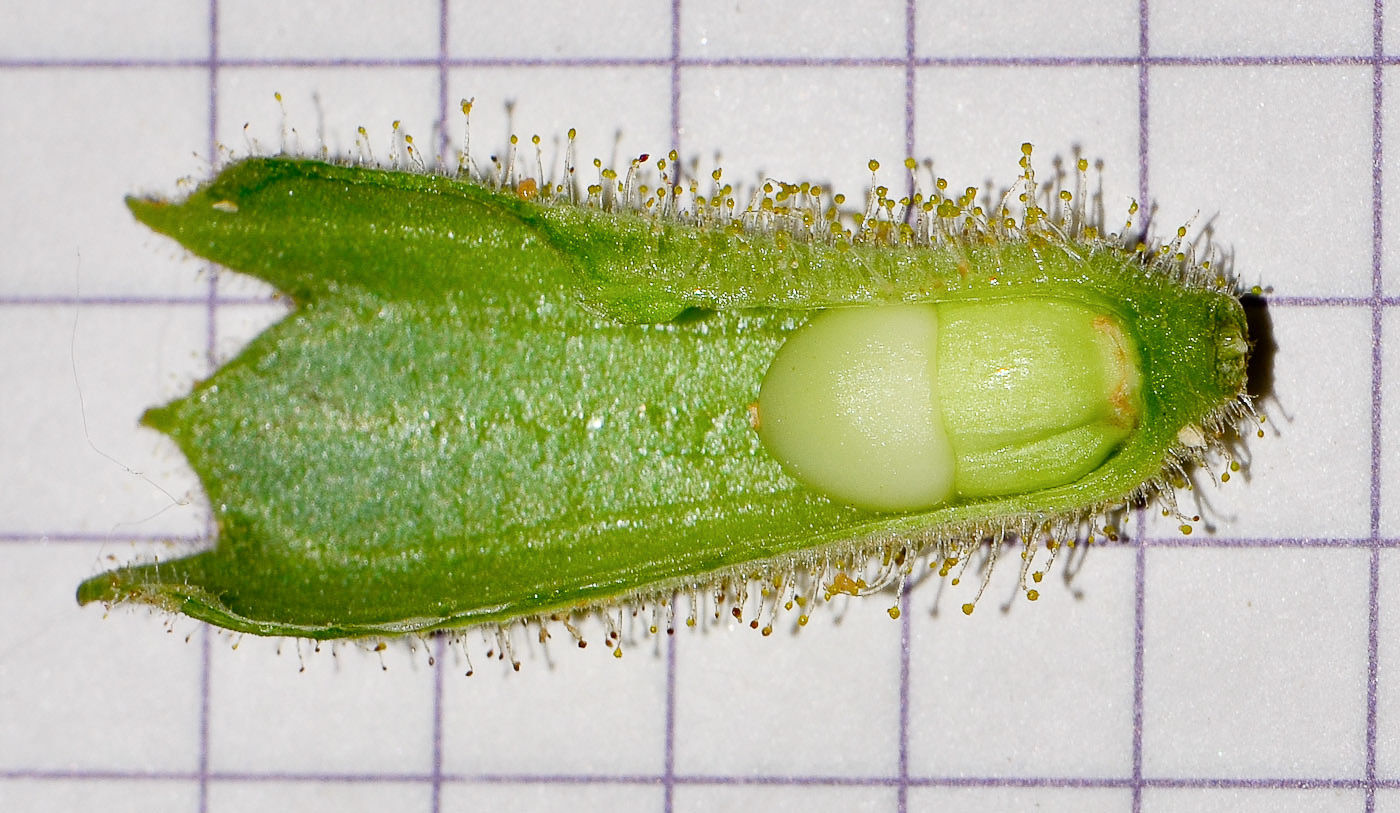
(1123, 398)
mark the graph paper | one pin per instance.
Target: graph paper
(1249, 666)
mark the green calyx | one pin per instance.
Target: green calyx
(485, 408)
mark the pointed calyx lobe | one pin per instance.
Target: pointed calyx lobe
(486, 407)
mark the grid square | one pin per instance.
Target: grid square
(602, 797)
(107, 795)
(1039, 799)
(1309, 476)
(1252, 800)
(342, 797)
(754, 706)
(1390, 32)
(558, 29)
(325, 106)
(619, 113)
(1388, 454)
(1301, 28)
(1277, 186)
(80, 691)
(1387, 800)
(100, 30)
(783, 798)
(972, 122)
(793, 124)
(62, 155)
(1390, 191)
(1027, 28)
(328, 29)
(1223, 633)
(965, 726)
(493, 722)
(73, 455)
(793, 28)
(1388, 671)
(320, 721)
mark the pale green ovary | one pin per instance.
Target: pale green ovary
(903, 407)
(848, 407)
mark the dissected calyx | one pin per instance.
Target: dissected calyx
(493, 403)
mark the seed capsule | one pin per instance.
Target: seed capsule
(905, 407)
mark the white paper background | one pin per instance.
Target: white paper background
(1248, 669)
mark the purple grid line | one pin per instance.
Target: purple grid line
(668, 762)
(673, 63)
(1140, 558)
(139, 300)
(205, 672)
(439, 653)
(442, 70)
(56, 300)
(1267, 60)
(1178, 542)
(668, 758)
(1377, 319)
(1139, 659)
(439, 640)
(1377, 302)
(211, 339)
(1142, 66)
(97, 538)
(816, 780)
(905, 617)
(1270, 542)
(905, 629)
(1321, 542)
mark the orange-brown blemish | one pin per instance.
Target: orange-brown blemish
(1123, 397)
(841, 583)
